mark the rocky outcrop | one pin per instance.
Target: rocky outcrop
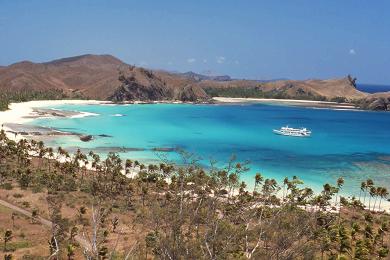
(192, 93)
(146, 85)
(140, 84)
(378, 102)
(86, 138)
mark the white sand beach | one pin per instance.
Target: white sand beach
(294, 102)
(20, 113)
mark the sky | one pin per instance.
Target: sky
(252, 39)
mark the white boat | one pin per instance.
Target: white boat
(289, 131)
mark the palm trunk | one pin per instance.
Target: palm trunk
(376, 197)
(369, 203)
(365, 193)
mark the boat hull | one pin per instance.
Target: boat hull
(278, 132)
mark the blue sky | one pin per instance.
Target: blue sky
(246, 39)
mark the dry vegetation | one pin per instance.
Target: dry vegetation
(174, 212)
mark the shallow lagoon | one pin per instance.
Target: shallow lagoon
(351, 144)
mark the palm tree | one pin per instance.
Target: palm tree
(363, 187)
(50, 157)
(383, 193)
(41, 151)
(285, 183)
(340, 183)
(369, 184)
(258, 180)
(376, 195)
(372, 194)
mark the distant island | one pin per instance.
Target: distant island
(104, 77)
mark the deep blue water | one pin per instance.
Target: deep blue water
(370, 88)
(351, 144)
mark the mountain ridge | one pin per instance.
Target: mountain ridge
(106, 77)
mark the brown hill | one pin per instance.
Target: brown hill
(106, 77)
(98, 77)
(305, 89)
(94, 76)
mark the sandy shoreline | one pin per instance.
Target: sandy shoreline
(24, 112)
(293, 102)
(21, 113)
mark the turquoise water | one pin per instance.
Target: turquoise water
(351, 144)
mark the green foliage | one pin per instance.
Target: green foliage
(256, 92)
(6, 186)
(188, 211)
(7, 97)
(7, 238)
(338, 99)
(13, 246)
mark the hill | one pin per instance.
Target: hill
(105, 77)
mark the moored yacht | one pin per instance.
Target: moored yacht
(289, 131)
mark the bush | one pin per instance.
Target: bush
(338, 99)
(17, 195)
(6, 186)
(12, 246)
(37, 189)
(26, 204)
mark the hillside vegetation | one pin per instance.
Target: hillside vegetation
(169, 211)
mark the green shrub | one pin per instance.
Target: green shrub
(37, 188)
(6, 186)
(12, 246)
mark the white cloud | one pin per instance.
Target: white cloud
(191, 60)
(236, 62)
(221, 59)
(352, 51)
(204, 60)
(169, 62)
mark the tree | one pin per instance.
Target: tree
(114, 223)
(383, 252)
(8, 257)
(34, 216)
(73, 233)
(383, 193)
(7, 238)
(340, 184)
(81, 212)
(258, 180)
(372, 194)
(70, 252)
(363, 188)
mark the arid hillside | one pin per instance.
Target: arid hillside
(98, 77)
(108, 78)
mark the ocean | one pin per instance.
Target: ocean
(370, 88)
(344, 143)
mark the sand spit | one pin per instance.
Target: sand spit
(291, 102)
